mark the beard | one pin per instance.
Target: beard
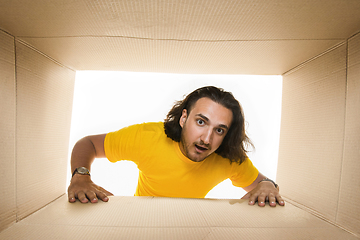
(196, 156)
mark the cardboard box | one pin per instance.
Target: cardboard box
(314, 45)
(171, 218)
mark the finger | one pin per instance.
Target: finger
(82, 198)
(71, 197)
(272, 200)
(246, 196)
(280, 200)
(261, 200)
(106, 192)
(92, 197)
(253, 199)
(102, 196)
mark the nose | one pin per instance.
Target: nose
(207, 137)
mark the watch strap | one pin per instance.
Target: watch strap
(84, 171)
(269, 180)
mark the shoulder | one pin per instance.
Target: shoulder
(142, 127)
(136, 132)
(132, 141)
(152, 126)
(152, 131)
(145, 131)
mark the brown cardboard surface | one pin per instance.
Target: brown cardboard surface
(348, 209)
(278, 233)
(165, 218)
(252, 37)
(86, 232)
(173, 212)
(236, 213)
(44, 104)
(318, 160)
(193, 20)
(208, 57)
(123, 211)
(107, 232)
(311, 139)
(7, 130)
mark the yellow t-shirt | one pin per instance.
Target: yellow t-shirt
(165, 171)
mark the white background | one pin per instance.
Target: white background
(108, 101)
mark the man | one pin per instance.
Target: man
(201, 143)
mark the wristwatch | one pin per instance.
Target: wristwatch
(82, 171)
(269, 180)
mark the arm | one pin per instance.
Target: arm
(262, 191)
(83, 155)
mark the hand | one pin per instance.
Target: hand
(264, 191)
(82, 188)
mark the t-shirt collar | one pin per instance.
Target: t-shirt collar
(182, 156)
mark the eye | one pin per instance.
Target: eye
(220, 131)
(200, 122)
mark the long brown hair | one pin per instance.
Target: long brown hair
(235, 143)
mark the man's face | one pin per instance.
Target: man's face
(203, 129)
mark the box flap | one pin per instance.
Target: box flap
(171, 218)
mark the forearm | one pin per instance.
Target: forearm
(255, 183)
(86, 150)
(83, 154)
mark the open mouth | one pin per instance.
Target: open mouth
(200, 148)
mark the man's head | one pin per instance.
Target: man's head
(219, 111)
(203, 128)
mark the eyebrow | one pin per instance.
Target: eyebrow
(208, 120)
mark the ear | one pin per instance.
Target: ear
(183, 118)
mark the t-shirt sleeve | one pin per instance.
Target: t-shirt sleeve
(123, 144)
(244, 174)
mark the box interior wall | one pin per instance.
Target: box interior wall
(318, 156)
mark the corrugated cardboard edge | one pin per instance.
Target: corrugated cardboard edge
(9, 220)
(310, 210)
(39, 78)
(320, 55)
(8, 129)
(134, 217)
(318, 215)
(47, 204)
(311, 135)
(41, 53)
(348, 212)
(313, 58)
(19, 220)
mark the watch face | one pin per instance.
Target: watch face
(82, 170)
